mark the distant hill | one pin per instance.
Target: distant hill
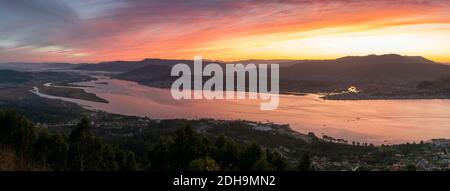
(147, 73)
(372, 68)
(155, 72)
(300, 75)
(18, 66)
(126, 66)
(14, 77)
(283, 63)
(10, 76)
(384, 59)
(441, 85)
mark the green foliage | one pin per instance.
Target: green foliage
(203, 164)
(16, 131)
(51, 150)
(83, 151)
(187, 150)
(305, 163)
(89, 153)
(277, 161)
(251, 154)
(188, 146)
(261, 165)
(227, 153)
(411, 167)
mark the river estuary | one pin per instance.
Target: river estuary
(372, 121)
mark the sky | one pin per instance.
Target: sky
(80, 31)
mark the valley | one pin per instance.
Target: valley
(140, 129)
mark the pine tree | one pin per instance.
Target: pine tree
(305, 163)
(85, 150)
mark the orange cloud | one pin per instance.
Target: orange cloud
(231, 30)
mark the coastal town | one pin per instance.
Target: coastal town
(325, 153)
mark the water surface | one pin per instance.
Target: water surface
(372, 121)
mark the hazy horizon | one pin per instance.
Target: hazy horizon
(209, 59)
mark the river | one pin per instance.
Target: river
(372, 121)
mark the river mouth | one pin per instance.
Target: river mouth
(366, 121)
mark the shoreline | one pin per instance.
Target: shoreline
(323, 95)
(386, 98)
(294, 128)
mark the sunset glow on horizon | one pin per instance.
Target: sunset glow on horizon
(104, 30)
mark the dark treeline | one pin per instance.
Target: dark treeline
(190, 151)
(31, 148)
(26, 147)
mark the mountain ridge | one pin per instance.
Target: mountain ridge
(385, 58)
(125, 66)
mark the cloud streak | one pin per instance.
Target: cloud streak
(90, 31)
